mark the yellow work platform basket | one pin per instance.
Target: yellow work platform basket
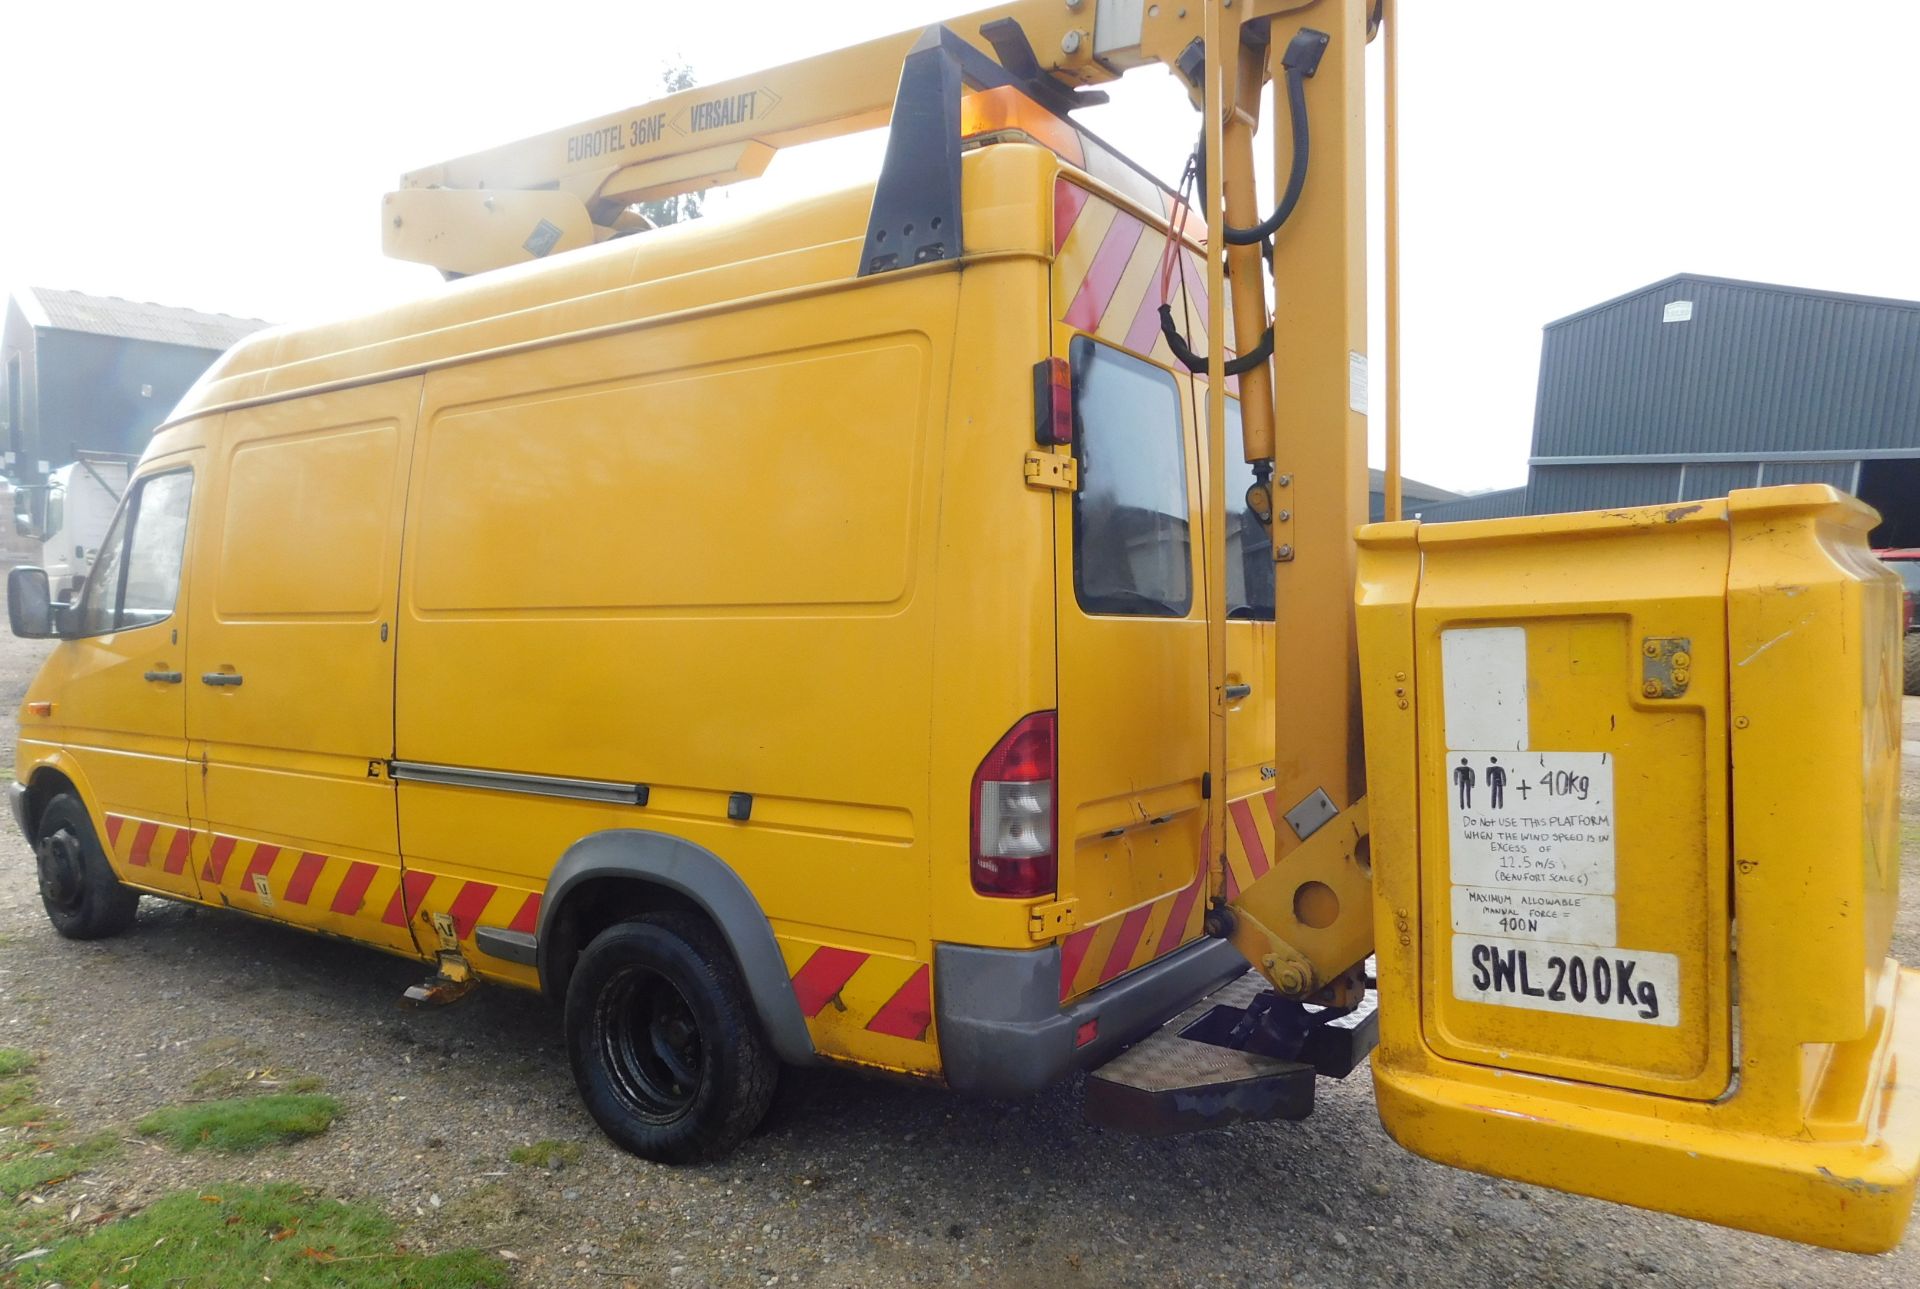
(1635, 781)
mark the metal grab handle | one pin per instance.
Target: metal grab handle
(1237, 692)
(165, 677)
(220, 678)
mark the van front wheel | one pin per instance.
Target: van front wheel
(83, 899)
(665, 1046)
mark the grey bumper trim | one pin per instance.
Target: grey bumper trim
(1004, 1033)
(17, 798)
(508, 946)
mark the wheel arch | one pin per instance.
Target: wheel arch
(609, 876)
(49, 779)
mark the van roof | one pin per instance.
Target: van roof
(704, 264)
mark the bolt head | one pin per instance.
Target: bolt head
(1070, 43)
(1651, 689)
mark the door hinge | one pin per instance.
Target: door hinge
(1046, 921)
(1052, 470)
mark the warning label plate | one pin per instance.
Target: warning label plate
(1611, 984)
(1532, 821)
(1534, 915)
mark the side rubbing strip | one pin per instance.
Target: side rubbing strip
(537, 785)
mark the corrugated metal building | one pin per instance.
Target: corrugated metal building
(1695, 386)
(97, 373)
(1413, 495)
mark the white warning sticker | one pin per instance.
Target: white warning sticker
(1578, 980)
(1534, 915)
(1535, 821)
(1483, 681)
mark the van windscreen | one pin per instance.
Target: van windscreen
(1131, 550)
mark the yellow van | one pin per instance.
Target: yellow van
(697, 628)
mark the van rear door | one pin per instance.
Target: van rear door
(1132, 672)
(1252, 810)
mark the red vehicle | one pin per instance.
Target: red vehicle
(1905, 560)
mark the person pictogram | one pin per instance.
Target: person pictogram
(1496, 784)
(1464, 776)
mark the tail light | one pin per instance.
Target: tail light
(1014, 832)
(1052, 402)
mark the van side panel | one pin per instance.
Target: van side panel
(695, 557)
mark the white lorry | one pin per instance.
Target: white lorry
(69, 515)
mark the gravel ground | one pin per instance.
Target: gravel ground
(852, 1182)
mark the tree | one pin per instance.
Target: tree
(672, 210)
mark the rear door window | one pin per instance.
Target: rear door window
(1132, 554)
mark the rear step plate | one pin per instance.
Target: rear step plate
(1168, 1083)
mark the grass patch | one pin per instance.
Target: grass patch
(20, 1108)
(14, 1061)
(44, 1163)
(243, 1123)
(546, 1154)
(239, 1235)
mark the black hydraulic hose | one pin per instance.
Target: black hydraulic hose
(1196, 364)
(1301, 60)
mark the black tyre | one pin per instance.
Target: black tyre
(83, 899)
(1913, 664)
(666, 1048)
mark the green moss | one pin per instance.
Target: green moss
(14, 1061)
(546, 1154)
(243, 1123)
(282, 1235)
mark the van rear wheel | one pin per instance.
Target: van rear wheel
(665, 1046)
(83, 899)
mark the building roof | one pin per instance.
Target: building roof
(1411, 490)
(1498, 504)
(103, 315)
(1708, 280)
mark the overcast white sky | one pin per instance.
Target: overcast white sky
(231, 156)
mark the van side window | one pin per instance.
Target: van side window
(136, 578)
(1250, 573)
(1131, 550)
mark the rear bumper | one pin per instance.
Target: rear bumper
(1005, 1033)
